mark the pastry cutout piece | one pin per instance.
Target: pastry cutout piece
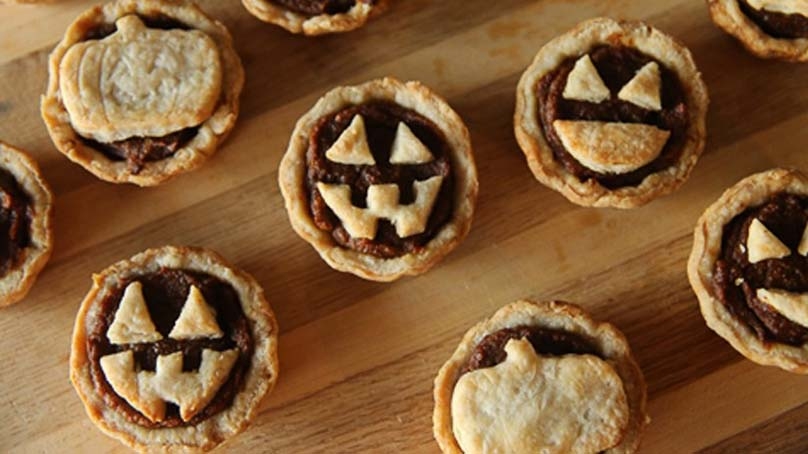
(803, 246)
(197, 319)
(793, 306)
(611, 147)
(528, 404)
(148, 391)
(383, 202)
(781, 6)
(132, 323)
(584, 83)
(140, 82)
(645, 88)
(762, 244)
(408, 149)
(352, 145)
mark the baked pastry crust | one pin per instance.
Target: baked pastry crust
(258, 381)
(579, 41)
(707, 239)
(412, 95)
(211, 133)
(19, 280)
(609, 341)
(321, 24)
(727, 14)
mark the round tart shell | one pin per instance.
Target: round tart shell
(411, 95)
(707, 238)
(728, 16)
(210, 134)
(19, 280)
(321, 24)
(609, 341)
(259, 380)
(575, 43)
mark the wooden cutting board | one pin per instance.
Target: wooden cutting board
(358, 358)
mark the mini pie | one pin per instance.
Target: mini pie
(540, 377)
(141, 91)
(173, 349)
(26, 223)
(316, 17)
(380, 179)
(611, 114)
(767, 28)
(749, 268)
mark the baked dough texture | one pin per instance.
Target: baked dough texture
(321, 24)
(577, 43)
(148, 391)
(531, 403)
(142, 82)
(752, 191)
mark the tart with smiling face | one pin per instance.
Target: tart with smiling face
(611, 114)
(749, 268)
(316, 17)
(142, 91)
(540, 377)
(767, 28)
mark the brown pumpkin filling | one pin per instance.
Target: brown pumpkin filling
(491, 349)
(15, 222)
(317, 7)
(778, 25)
(138, 151)
(381, 121)
(616, 65)
(737, 280)
(165, 293)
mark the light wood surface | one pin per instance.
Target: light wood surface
(358, 358)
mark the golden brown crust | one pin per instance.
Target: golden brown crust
(749, 192)
(574, 43)
(211, 133)
(412, 95)
(295, 22)
(727, 14)
(19, 280)
(609, 341)
(259, 380)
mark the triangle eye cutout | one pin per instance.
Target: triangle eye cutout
(644, 89)
(762, 244)
(408, 149)
(196, 319)
(132, 323)
(352, 147)
(585, 84)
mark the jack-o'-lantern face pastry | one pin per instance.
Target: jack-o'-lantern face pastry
(141, 91)
(380, 179)
(174, 348)
(767, 28)
(540, 377)
(749, 268)
(316, 17)
(26, 223)
(611, 114)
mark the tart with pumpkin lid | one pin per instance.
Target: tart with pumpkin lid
(540, 377)
(316, 17)
(767, 28)
(142, 91)
(173, 350)
(612, 114)
(26, 223)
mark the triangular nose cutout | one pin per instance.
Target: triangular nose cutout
(196, 319)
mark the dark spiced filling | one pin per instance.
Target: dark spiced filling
(317, 7)
(381, 122)
(737, 280)
(778, 25)
(545, 341)
(165, 292)
(137, 151)
(16, 213)
(617, 65)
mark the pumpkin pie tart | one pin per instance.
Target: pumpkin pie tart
(316, 17)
